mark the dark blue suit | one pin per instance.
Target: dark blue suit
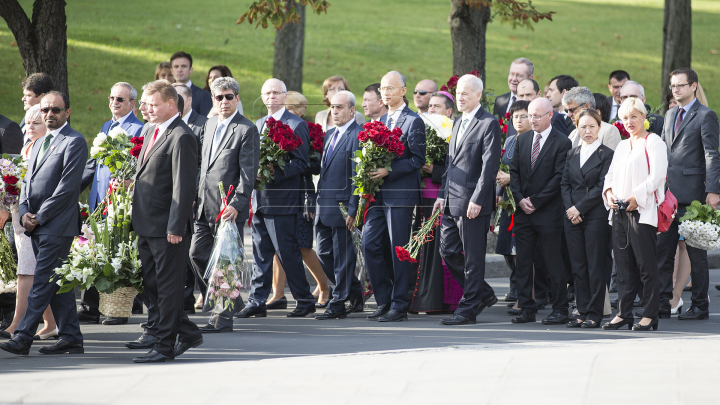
(335, 247)
(50, 190)
(275, 221)
(392, 212)
(201, 100)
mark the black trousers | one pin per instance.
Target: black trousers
(164, 266)
(548, 240)
(336, 252)
(587, 246)
(50, 252)
(635, 247)
(460, 234)
(699, 269)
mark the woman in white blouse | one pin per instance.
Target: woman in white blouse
(634, 187)
(331, 86)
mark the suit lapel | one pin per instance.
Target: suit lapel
(341, 143)
(593, 160)
(548, 144)
(161, 138)
(207, 145)
(401, 119)
(575, 163)
(453, 137)
(474, 121)
(226, 137)
(689, 115)
(53, 144)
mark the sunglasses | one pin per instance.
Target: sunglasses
(55, 110)
(421, 92)
(119, 99)
(227, 97)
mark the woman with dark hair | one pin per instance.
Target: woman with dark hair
(585, 223)
(603, 106)
(215, 72)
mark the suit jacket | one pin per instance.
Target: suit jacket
(11, 136)
(657, 122)
(608, 136)
(201, 100)
(569, 124)
(51, 187)
(402, 186)
(693, 158)
(98, 175)
(582, 187)
(334, 185)
(473, 165)
(282, 195)
(234, 163)
(501, 104)
(542, 182)
(196, 122)
(165, 183)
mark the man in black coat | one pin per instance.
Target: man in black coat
(520, 69)
(182, 69)
(11, 137)
(535, 174)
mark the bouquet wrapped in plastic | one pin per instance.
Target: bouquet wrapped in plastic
(360, 268)
(226, 273)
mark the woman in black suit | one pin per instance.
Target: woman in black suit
(586, 218)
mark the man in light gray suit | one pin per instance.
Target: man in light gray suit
(50, 214)
(230, 155)
(691, 134)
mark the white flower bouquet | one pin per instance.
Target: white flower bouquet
(438, 129)
(700, 226)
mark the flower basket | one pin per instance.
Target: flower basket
(118, 303)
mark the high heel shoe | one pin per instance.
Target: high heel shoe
(678, 309)
(653, 324)
(45, 336)
(618, 325)
(280, 303)
(327, 300)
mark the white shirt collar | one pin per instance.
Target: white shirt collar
(123, 118)
(546, 132)
(187, 116)
(343, 129)
(396, 114)
(471, 114)
(278, 114)
(587, 150)
(57, 131)
(226, 121)
(687, 106)
(164, 126)
(189, 84)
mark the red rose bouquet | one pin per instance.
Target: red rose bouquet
(379, 148)
(277, 141)
(138, 144)
(504, 123)
(12, 170)
(451, 85)
(623, 132)
(423, 235)
(507, 203)
(317, 137)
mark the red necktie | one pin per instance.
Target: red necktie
(679, 120)
(152, 143)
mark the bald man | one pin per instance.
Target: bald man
(422, 94)
(535, 173)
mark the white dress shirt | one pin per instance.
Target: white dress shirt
(614, 109)
(587, 150)
(395, 115)
(121, 120)
(511, 101)
(186, 117)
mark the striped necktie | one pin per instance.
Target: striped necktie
(535, 150)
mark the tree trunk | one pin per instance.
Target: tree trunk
(467, 29)
(42, 42)
(677, 41)
(288, 60)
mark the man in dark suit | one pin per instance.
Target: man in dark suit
(230, 156)
(529, 90)
(11, 136)
(556, 89)
(162, 218)
(635, 89)
(535, 173)
(335, 248)
(691, 134)
(372, 104)
(195, 121)
(468, 198)
(51, 217)
(181, 63)
(122, 99)
(275, 211)
(35, 87)
(520, 69)
(394, 205)
(615, 82)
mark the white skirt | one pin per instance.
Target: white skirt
(23, 244)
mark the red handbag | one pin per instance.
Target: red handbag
(667, 210)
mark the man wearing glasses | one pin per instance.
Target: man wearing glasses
(122, 101)
(578, 99)
(422, 94)
(520, 69)
(51, 217)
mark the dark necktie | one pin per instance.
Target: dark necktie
(44, 147)
(113, 125)
(535, 149)
(389, 123)
(679, 120)
(512, 101)
(332, 145)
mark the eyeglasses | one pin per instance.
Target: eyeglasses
(677, 86)
(586, 127)
(537, 117)
(388, 88)
(336, 89)
(571, 110)
(227, 97)
(520, 117)
(272, 93)
(55, 110)
(421, 92)
(119, 99)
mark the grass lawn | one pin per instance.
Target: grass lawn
(361, 40)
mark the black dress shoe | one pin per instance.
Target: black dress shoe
(63, 347)
(277, 304)
(590, 325)
(16, 346)
(573, 323)
(511, 296)
(84, 316)
(524, 317)
(247, 312)
(153, 356)
(618, 325)
(717, 286)
(354, 305)
(5, 335)
(115, 321)
(541, 303)
(332, 314)
(487, 303)
(556, 318)
(514, 312)
(394, 316)
(301, 312)
(210, 328)
(143, 342)
(694, 314)
(457, 320)
(380, 311)
(323, 305)
(614, 303)
(182, 347)
(652, 325)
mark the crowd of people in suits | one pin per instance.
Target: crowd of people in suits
(585, 224)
